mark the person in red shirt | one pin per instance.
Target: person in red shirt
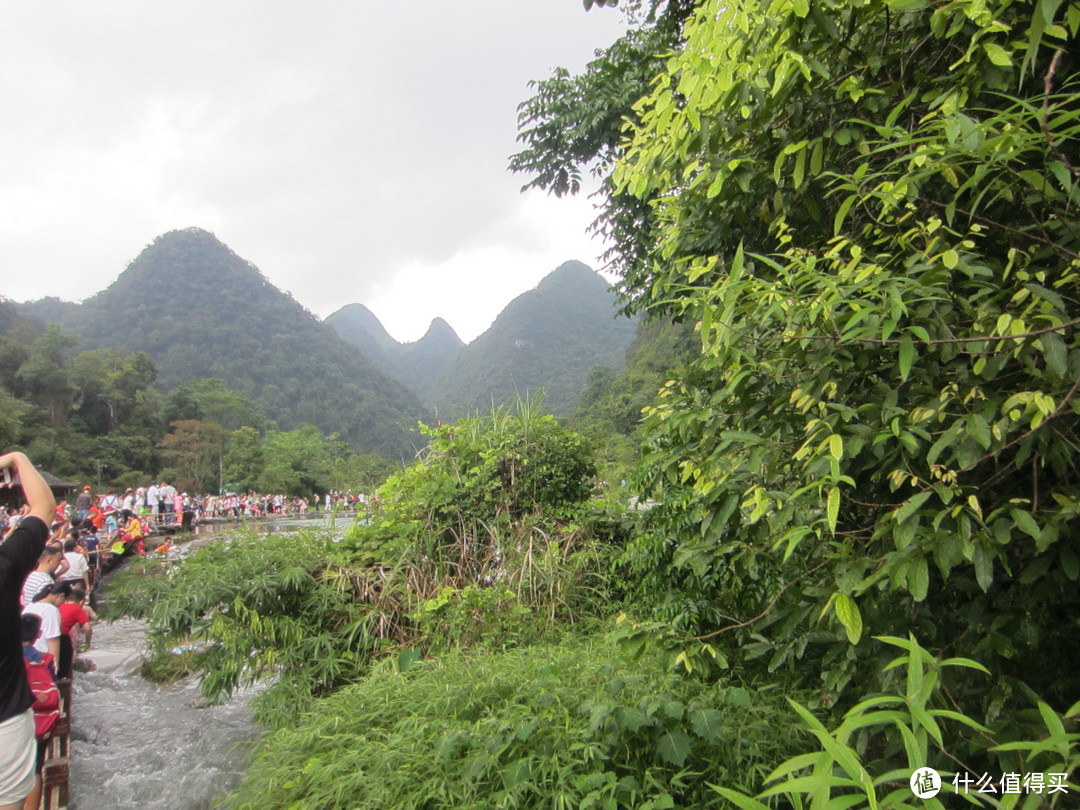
(75, 619)
(97, 517)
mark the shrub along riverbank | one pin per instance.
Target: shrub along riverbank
(487, 636)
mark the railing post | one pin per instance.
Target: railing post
(55, 773)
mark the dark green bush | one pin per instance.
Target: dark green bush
(553, 726)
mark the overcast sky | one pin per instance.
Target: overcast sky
(355, 152)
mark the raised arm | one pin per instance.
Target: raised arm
(37, 493)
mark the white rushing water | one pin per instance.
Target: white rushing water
(138, 745)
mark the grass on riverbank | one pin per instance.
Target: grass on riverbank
(552, 725)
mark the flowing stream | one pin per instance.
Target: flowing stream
(138, 745)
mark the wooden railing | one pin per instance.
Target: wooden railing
(55, 773)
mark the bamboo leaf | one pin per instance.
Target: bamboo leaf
(739, 800)
(842, 212)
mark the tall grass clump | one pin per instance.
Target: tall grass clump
(556, 725)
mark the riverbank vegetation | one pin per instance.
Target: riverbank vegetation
(859, 555)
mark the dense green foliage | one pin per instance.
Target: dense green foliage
(546, 339)
(613, 402)
(489, 540)
(881, 427)
(560, 726)
(99, 417)
(272, 603)
(201, 311)
(869, 211)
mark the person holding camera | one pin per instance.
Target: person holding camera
(19, 555)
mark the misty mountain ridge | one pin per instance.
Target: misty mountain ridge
(417, 365)
(548, 338)
(200, 310)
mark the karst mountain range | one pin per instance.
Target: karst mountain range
(200, 310)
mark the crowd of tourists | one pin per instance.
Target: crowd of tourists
(45, 579)
(110, 518)
(51, 560)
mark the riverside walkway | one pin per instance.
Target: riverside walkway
(59, 768)
(56, 772)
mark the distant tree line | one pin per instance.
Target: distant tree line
(102, 417)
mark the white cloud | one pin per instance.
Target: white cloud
(353, 153)
(472, 287)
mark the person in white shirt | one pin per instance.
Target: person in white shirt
(78, 565)
(167, 499)
(152, 500)
(43, 575)
(46, 605)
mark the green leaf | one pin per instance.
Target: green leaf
(960, 718)
(848, 614)
(845, 757)
(911, 506)
(927, 721)
(842, 212)
(1026, 523)
(406, 658)
(1055, 353)
(809, 784)
(705, 723)
(984, 567)
(979, 429)
(1070, 563)
(907, 356)
(836, 447)
(1055, 727)
(919, 579)
(517, 773)
(674, 747)
(832, 508)
(740, 800)
(998, 55)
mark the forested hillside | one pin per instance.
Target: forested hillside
(361, 327)
(549, 338)
(199, 310)
(416, 365)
